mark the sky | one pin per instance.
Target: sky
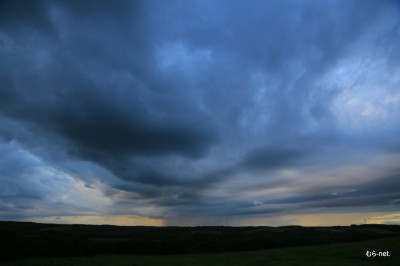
(200, 112)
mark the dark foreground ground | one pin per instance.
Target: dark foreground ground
(341, 254)
(49, 244)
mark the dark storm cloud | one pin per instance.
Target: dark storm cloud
(30, 14)
(271, 158)
(100, 126)
(104, 122)
(188, 106)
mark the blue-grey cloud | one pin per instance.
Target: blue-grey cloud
(191, 108)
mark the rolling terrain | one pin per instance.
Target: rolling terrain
(53, 244)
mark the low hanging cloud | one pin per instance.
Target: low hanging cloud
(190, 109)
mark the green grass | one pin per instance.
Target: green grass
(342, 254)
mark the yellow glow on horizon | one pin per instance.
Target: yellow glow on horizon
(123, 220)
(387, 218)
(332, 219)
(321, 219)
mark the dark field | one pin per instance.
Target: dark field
(49, 244)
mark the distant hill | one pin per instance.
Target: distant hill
(28, 240)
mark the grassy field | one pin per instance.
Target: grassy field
(342, 254)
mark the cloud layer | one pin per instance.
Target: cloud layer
(205, 110)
